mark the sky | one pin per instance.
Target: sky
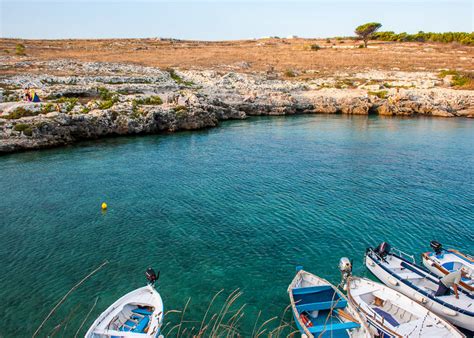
(225, 19)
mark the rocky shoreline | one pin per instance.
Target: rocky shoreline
(109, 99)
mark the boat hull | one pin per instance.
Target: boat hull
(335, 317)
(144, 303)
(394, 306)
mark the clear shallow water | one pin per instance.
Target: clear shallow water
(233, 207)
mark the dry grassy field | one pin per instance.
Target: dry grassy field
(285, 56)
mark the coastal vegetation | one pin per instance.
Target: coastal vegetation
(107, 98)
(150, 100)
(20, 49)
(459, 79)
(365, 31)
(18, 113)
(70, 102)
(23, 127)
(382, 94)
(178, 78)
(447, 37)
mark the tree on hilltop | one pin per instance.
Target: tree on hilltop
(366, 30)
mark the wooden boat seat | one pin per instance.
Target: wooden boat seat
(334, 327)
(341, 304)
(142, 311)
(311, 289)
(322, 297)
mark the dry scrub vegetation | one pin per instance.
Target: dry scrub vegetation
(299, 57)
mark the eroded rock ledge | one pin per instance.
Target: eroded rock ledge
(114, 99)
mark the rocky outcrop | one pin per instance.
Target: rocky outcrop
(112, 99)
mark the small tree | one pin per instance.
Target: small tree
(20, 49)
(365, 31)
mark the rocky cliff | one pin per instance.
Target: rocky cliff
(92, 100)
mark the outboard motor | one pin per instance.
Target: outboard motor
(345, 266)
(382, 250)
(437, 247)
(151, 276)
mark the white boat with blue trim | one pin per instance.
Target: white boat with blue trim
(321, 310)
(393, 314)
(443, 261)
(406, 277)
(138, 314)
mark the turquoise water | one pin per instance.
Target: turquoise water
(232, 207)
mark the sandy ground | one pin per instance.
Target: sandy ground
(283, 56)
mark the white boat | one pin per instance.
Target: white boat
(393, 314)
(137, 314)
(420, 285)
(321, 310)
(443, 261)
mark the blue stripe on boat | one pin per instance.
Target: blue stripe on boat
(333, 327)
(142, 311)
(386, 316)
(342, 303)
(311, 289)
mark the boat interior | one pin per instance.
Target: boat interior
(424, 281)
(132, 318)
(321, 308)
(390, 312)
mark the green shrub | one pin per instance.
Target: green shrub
(151, 100)
(315, 47)
(70, 102)
(178, 79)
(442, 74)
(19, 113)
(23, 127)
(328, 40)
(20, 49)
(106, 104)
(105, 94)
(361, 45)
(463, 80)
(447, 37)
(47, 108)
(181, 111)
(85, 110)
(290, 73)
(380, 94)
(108, 98)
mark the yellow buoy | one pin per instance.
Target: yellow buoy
(104, 206)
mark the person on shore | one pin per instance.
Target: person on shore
(27, 95)
(31, 96)
(452, 279)
(34, 96)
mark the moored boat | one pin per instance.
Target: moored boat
(321, 310)
(408, 278)
(443, 261)
(137, 314)
(390, 313)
